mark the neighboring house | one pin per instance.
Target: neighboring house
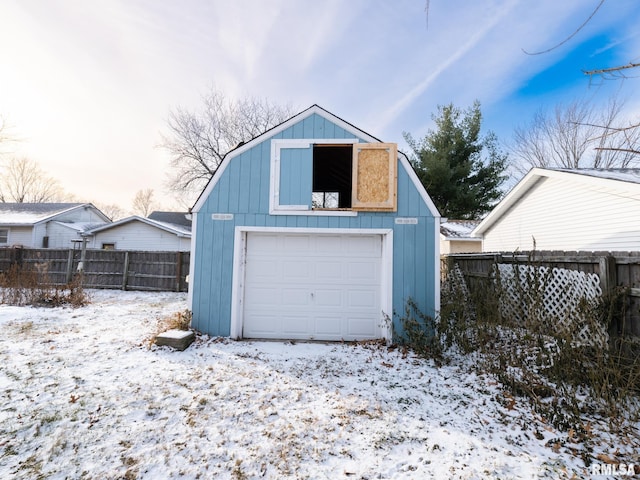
(313, 230)
(139, 233)
(46, 225)
(455, 237)
(567, 209)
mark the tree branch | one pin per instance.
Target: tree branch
(613, 149)
(603, 71)
(570, 36)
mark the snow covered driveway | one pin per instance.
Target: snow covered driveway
(83, 396)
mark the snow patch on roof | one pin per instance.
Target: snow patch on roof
(31, 213)
(631, 175)
(458, 228)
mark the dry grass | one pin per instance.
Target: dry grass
(563, 379)
(175, 321)
(21, 286)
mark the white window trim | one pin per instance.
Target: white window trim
(239, 265)
(274, 181)
(8, 236)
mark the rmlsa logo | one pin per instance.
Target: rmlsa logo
(626, 469)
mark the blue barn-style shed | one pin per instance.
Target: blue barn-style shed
(313, 230)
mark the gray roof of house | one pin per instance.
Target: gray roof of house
(182, 219)
(631, 175)
(31, 213)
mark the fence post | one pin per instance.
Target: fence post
(608, 281)
(69, 265)
(608, 277)
(178, 270)
(125, 270)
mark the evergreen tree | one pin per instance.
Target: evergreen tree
(461, 170)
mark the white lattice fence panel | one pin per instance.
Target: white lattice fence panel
(456, 284)
(555, 296)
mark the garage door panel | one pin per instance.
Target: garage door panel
(264, 297)
(295, 297)
(265, 269)
(362, 271)
(264, 326)
(328, 298)
(263, 244)
(365, 245)
(360, 327)
(323, 287)
(329, 271)
(296, 244)
(361, 298)
(329, 245)
(295, 325)
(329, 327)
(300, 269)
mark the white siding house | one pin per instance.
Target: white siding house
(567, 209)
(139, 233)
(46, 225)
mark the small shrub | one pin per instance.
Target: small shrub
(175, 321)
(22, 286)
(420, 332)
(525, 346)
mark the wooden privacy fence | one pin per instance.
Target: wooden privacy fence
(614, 269)
(118, 269)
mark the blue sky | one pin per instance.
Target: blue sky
(88, 86)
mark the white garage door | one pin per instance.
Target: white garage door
(310, 286)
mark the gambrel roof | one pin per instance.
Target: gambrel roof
(317, 110)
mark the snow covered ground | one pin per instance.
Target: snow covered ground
(85, 396)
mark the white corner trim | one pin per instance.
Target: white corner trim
(237, 287)
(404, 161)
(437, 267)
(192, 260)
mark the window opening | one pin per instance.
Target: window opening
(332, 176)
(4, 236)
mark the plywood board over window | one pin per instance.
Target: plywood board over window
(375, 177)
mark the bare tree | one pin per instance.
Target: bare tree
(113, 211)
(4, 136)
(199, 141)
(23, 181)
(577, 135)
(143, 202)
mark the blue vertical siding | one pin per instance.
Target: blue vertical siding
(296, 174)
(243, 190)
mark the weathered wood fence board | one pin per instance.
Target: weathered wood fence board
(615, 269)
(118, 269)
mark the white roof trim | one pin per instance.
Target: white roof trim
(404, 161)
(153, 223)
(534, 176)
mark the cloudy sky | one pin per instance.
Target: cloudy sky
(87, 85)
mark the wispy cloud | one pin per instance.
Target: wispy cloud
(397, 108)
